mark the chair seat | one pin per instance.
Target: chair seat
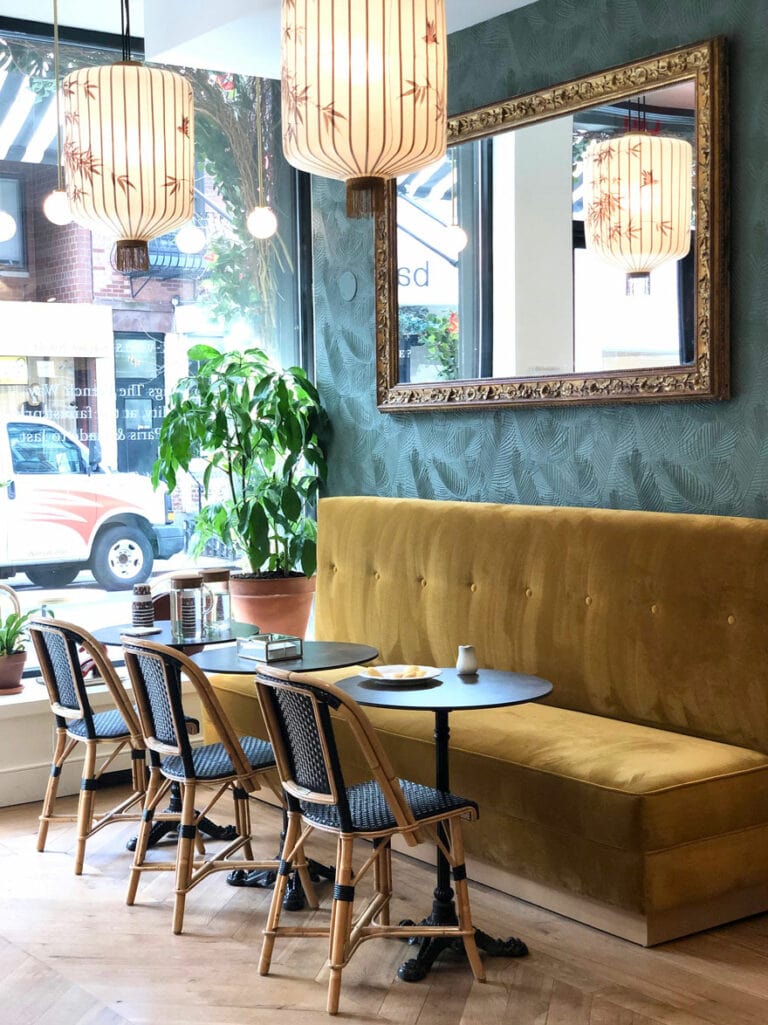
(108, 725)
(212, 762)
(371, 813)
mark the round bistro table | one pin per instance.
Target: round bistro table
(449, 692)
(161, 634)
(316, 655)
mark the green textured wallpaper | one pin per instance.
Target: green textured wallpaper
(703, 457)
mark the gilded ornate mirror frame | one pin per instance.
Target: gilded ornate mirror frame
(707, 377)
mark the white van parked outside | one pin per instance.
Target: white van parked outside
(61, 511)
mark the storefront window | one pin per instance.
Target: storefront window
(88, 354)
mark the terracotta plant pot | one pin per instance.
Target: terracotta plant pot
(275, 605)
(11, 668)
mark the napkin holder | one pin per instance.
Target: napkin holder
(270, 647)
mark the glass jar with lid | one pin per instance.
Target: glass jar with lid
(217, 614)
(186, 606)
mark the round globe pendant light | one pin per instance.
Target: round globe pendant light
(129, 152)
(56, 207)
(363, 91)
(190, 239)
(261, 222)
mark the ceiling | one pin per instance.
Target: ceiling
(229, 35)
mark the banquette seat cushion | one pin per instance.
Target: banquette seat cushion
(634, 797)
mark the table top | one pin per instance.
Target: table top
(487, 688)
(316, 655)
(112, 635)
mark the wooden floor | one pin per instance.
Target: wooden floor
(72, 953)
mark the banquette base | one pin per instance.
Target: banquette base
(635, 797)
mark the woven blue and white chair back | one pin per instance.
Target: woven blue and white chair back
(156, 672)
(156, 678)
(298, 712)
(60, 648)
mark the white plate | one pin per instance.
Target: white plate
(396, 674)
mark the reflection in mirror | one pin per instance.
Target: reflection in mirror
(595, 248)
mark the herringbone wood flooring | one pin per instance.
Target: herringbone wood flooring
(74, 954)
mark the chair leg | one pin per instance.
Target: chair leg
(462, 903)
(243, 819)
(61, 752)
(292, 834)
(382, 877)
(341, 920)
(85, 804)
(151, 800)
(138, 771)
(185, 854)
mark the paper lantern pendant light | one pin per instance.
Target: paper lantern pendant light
(637, 191)
(129, 154)
(363, 91)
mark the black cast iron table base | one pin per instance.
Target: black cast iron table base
(431, 947)
(294, 899)
(485, 689)
(162, 828)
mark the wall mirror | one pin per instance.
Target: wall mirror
(550, 301)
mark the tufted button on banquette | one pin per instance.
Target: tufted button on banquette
(473, 587)
(731, 619)
(588, 600)
(654, 609)
(377, 575)
(528, 592)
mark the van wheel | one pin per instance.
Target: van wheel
(52, 576)
(121, 557)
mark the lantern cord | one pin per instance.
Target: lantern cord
(259, 146)
(125, 28)
(59, 178)
(641, 115)
(454, 187)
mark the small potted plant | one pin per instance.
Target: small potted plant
(258, 431)
(13, 653)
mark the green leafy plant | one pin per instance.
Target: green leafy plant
(441, 338)
(13, 632)
(258, 430)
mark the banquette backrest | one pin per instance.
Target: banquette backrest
(655, 618)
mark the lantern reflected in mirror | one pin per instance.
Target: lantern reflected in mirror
(637, 190)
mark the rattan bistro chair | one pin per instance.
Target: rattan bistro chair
(62, 650)
(298, 712)
(238, 765)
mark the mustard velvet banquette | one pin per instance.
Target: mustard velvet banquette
(635, 797)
